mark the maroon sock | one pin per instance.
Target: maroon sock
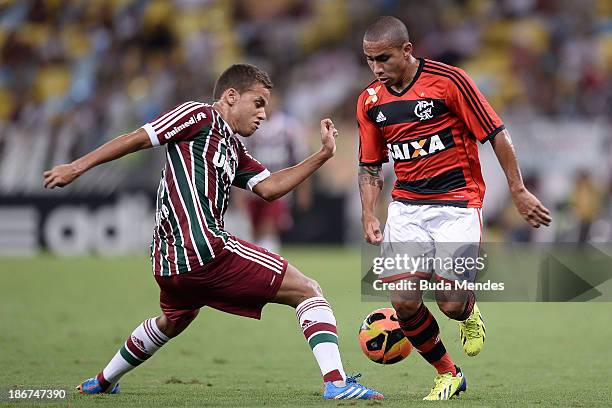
(333, 375)
(105, 385)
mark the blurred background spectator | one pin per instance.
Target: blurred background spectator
(75, 73)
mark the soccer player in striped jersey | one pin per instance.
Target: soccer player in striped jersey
(429, 117)
(197, 263)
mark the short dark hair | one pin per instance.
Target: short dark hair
(241, 77)
(387, 28)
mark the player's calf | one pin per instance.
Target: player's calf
(423, 332)
(317, 321)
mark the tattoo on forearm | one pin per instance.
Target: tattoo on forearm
(370, 175)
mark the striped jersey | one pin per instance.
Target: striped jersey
(204, 158)
(430, 129)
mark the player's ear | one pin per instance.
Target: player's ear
(407, 49)
(231, 96)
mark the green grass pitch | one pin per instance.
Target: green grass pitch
(62, 319)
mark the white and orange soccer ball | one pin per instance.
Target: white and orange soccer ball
(381, 338)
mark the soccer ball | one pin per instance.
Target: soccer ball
(381, 338)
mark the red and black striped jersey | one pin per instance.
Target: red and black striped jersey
(430, 129)
(204, 158)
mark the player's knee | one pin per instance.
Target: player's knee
(451, 303)
(311, 288)
(405, 309)
(308, 288)
(451, 309)
(173, 328)
(296, 288)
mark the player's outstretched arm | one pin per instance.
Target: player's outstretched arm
(64, 174)
(530, 208)
(283, 181)
(370, 186)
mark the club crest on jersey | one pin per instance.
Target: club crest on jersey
(372, 97)
(191, 121)
(423, 109)
(423, 147)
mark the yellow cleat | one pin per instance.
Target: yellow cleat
(472, 331)
(446, 386)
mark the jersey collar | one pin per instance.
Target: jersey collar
(414, 79)
(223, 127)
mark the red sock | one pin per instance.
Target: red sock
(424, 334)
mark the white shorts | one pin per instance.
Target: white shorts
(432, 238)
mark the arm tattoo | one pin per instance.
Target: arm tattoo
(370, 175)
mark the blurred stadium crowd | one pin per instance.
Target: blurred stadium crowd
(77, 73)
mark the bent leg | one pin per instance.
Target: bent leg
(461, 305)
(407, 303)
(316, 319)
(141, 344)
(296, 288)
(421, 328)
(175, 326)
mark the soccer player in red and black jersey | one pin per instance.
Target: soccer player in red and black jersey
(196, 262)
(429, 117)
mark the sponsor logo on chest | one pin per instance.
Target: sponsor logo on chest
(422, 147)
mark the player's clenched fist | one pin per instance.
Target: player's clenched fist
(328, 135)
(371, 230)
(59, 176)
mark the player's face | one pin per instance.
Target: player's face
(388, 62)
(250, 109)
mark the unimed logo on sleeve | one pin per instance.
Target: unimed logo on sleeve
(191, 121)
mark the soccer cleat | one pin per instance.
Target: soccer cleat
(446, 386)
(352, 390)
(92, 386)
(472, 331)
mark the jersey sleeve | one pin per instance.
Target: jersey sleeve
(250, 172)
(469, 104)
(372, 147)
(180, 123)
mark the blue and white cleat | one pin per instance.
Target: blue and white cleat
(352, 390)
(92, 386)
